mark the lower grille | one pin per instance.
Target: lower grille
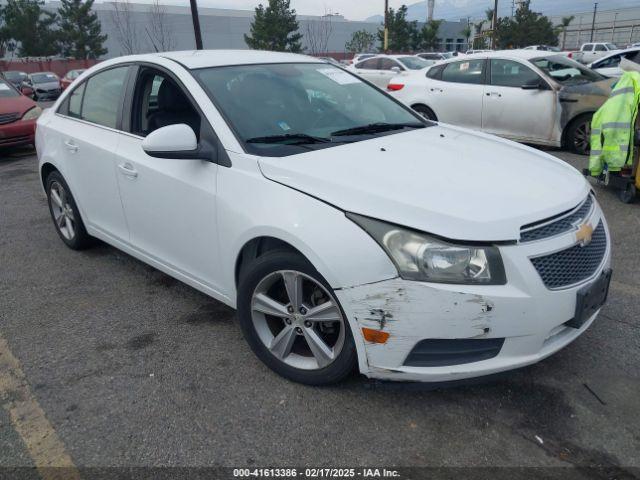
(573, 265)
(440, 352)
(15, 140)
(8, 117)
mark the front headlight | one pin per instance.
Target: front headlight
(422, 257)
(32, 114)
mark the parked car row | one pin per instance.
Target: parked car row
(41, 85)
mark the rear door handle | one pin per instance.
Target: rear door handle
(493, 94)
(72, 147)
(128, 170)
(437, 90)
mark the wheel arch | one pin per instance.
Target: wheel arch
(45, 171)
(422, 104)
(255, 248)
(570, 123)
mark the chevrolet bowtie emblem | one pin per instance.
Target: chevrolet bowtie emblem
(583, 235)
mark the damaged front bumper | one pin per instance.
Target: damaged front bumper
(524, 320)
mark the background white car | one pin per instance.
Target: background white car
(590, 52)
(609, 66)
(380, 69)
(524, 95)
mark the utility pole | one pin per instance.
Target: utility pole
(196, 24)
(385, 44)
(495, 25)
(593, 22)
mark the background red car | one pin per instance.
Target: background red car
(18, 115)
(69, 77)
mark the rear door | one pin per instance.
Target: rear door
(368, 69)
(515, 112)
(87, 124)
(455, 95)
(170, 204)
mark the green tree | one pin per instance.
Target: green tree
(31, 28)
(361, 41)
(275, 28)
(428, 39)
(525, 28)
(478, 40)
(403, 35)
(80, 31)
(466, 32)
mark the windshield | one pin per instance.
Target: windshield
(14, 76)
(284, 109)
(43, 77)
(6, 90)
(566, 71)
(414, 63)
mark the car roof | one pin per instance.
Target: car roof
(508, 54)
(218, 58)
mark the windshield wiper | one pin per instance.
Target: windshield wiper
(376, 128)
(289, 139)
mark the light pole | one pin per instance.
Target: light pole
(196, 24)
(593, 22)
(385, 44)
(495, 25)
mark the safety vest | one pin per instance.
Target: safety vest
(613, 125)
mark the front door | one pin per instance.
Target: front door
(515, 112)
(170, 204)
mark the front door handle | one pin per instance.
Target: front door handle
(72, 147)
(128, 170)
(493, 94)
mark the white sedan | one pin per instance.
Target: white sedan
(347, 230)
(611, 65)
(523, 95)
(382, 68)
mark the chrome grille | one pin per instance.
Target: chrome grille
(573, 265)
(555, 226)
(8, 117)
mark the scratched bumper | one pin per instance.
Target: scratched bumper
(524, 312)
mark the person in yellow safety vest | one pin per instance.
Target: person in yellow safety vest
(612, 127)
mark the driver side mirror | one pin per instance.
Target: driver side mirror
(173, 141)
(26, 90)
(395, 69)
(534, 85)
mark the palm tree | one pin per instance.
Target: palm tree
(466, 32)
(478, 34)
(564, 23)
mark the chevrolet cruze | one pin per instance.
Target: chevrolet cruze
(347, 230)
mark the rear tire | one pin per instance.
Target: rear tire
(307, 339)
(64, 213)
(426, 112)
(578, 133)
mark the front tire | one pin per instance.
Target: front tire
(578, 135)
(64, 213)
(292, 320)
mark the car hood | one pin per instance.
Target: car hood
(16, 104)
(47, 85)
(444, 180)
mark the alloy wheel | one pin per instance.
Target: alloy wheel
(62, 211)
(582, 137)
(298, 320)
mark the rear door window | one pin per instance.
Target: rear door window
(466, 71)
(371, 64)
(103, 97)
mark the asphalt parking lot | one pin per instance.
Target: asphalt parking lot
(133, 368)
